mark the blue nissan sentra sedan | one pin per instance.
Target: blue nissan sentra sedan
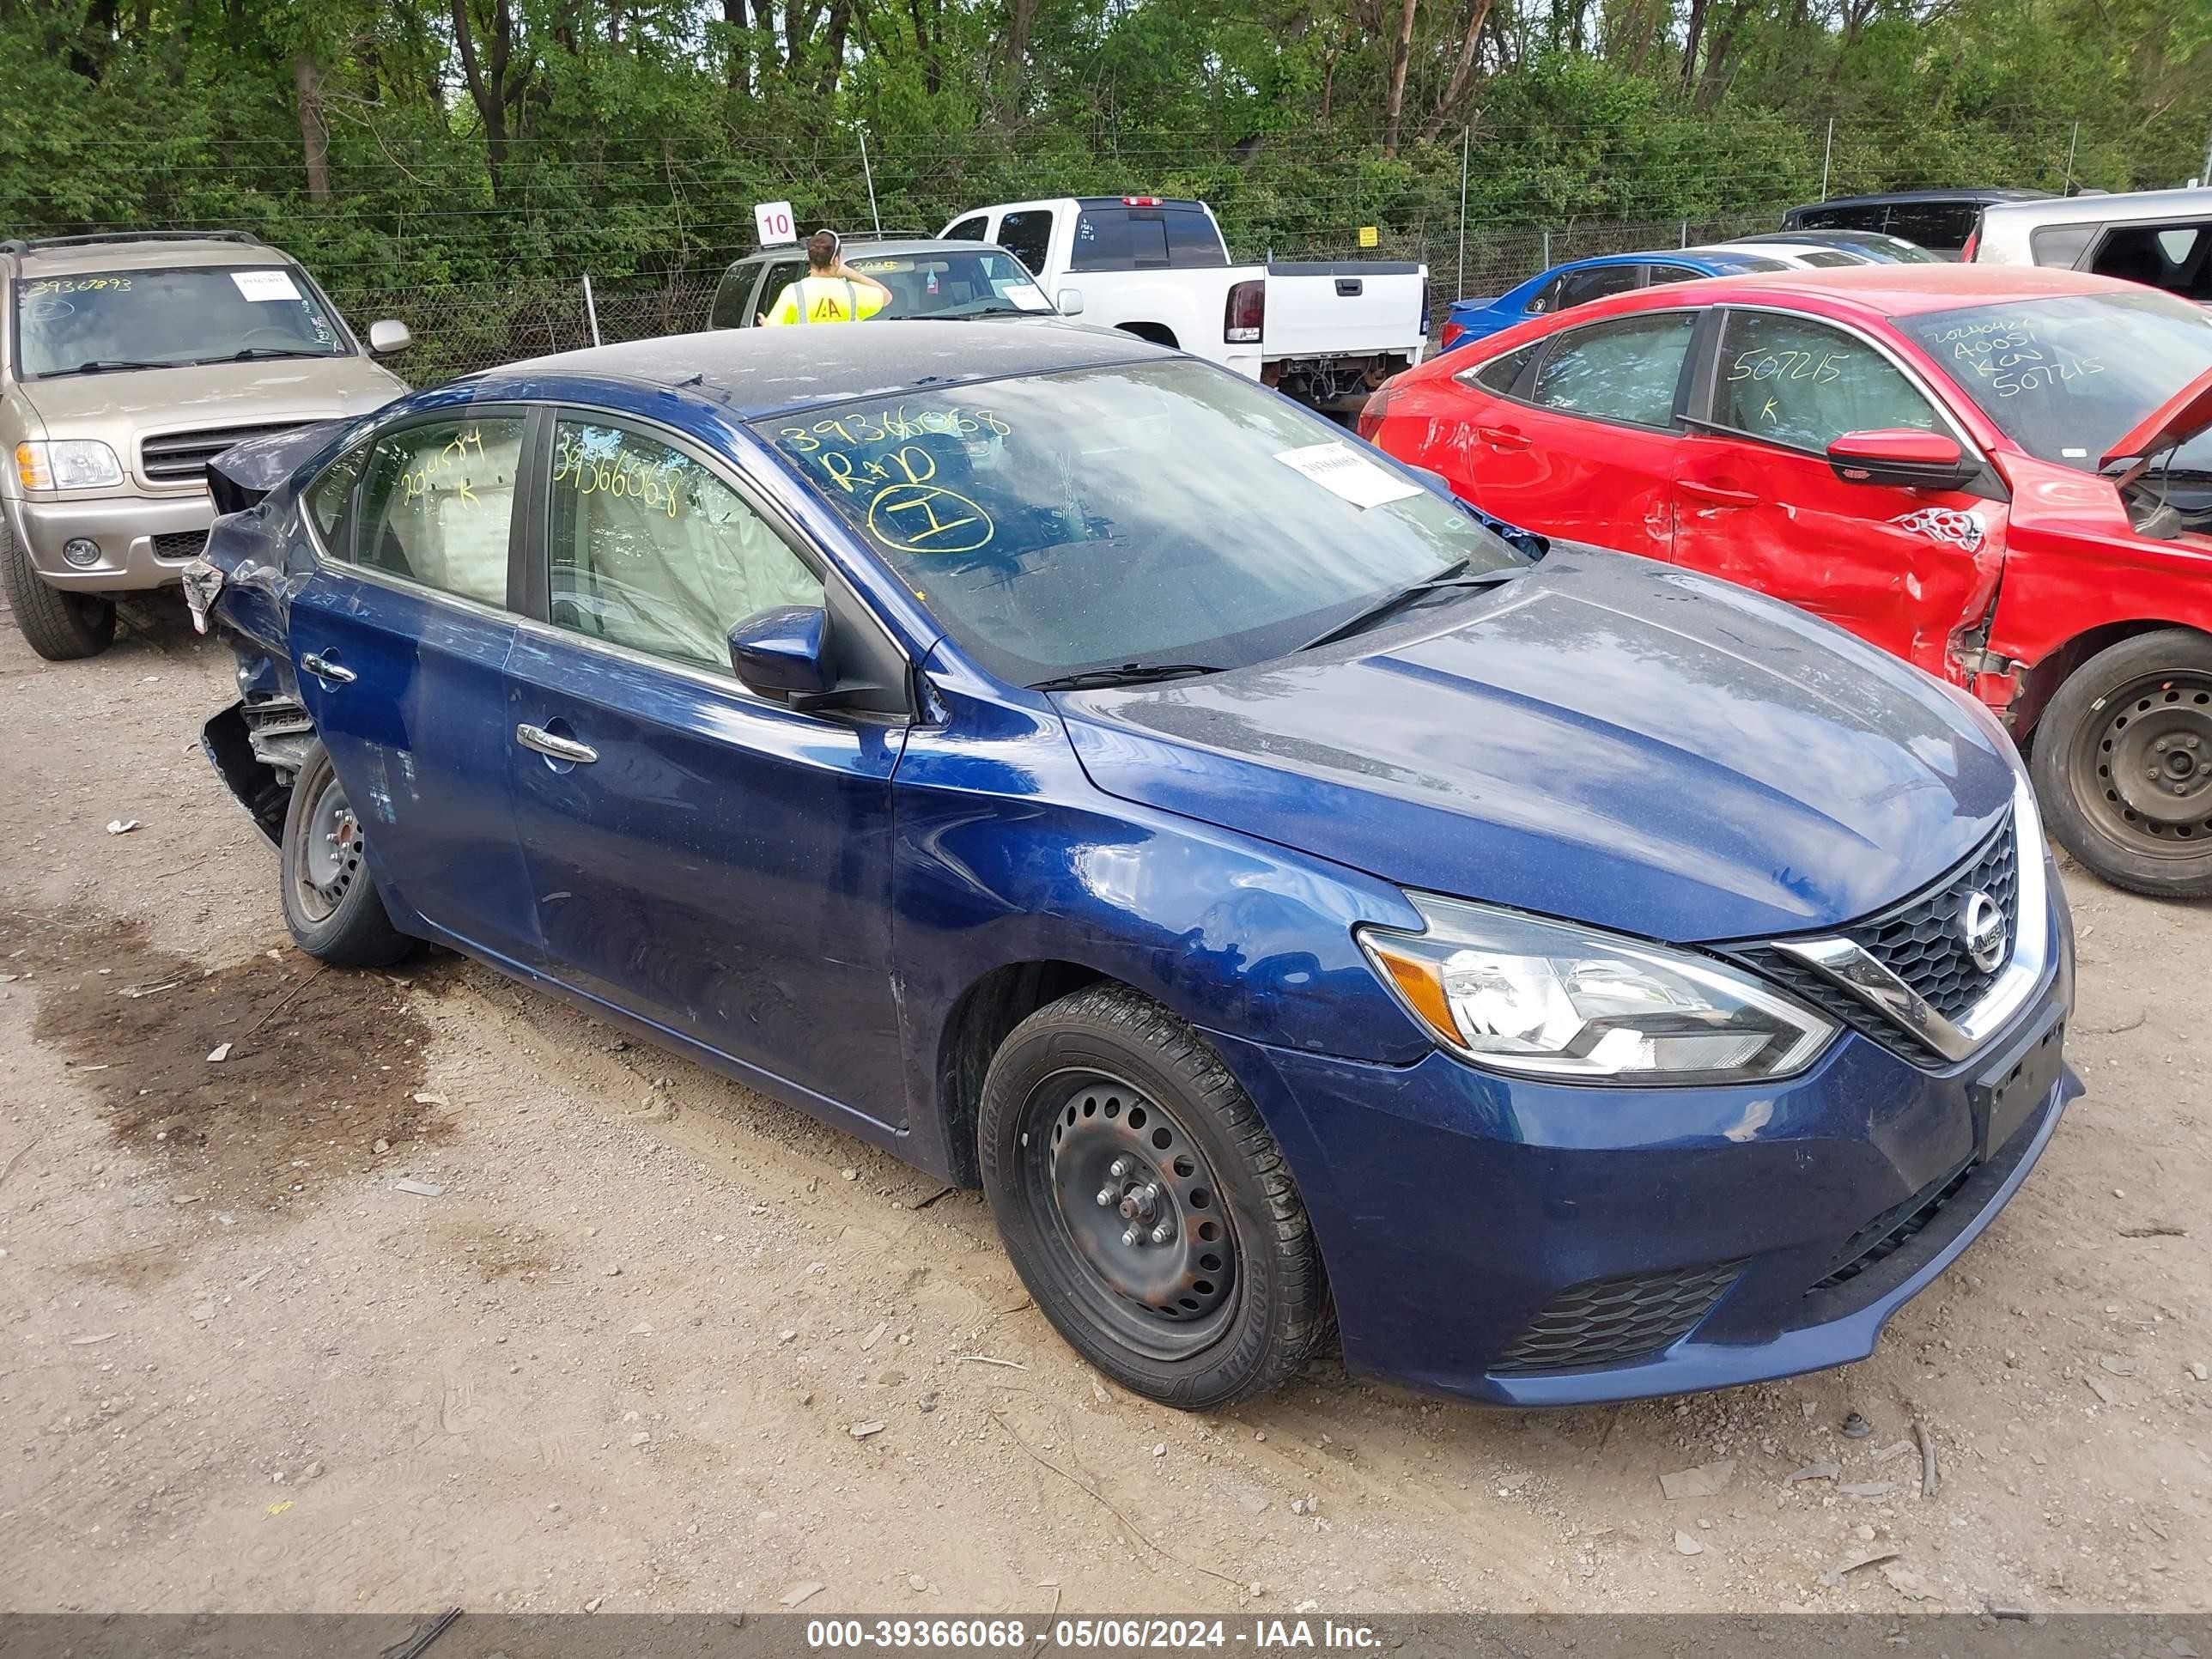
(1091, 776)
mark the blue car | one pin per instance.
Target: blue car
(1090, 776)
(1580, 280)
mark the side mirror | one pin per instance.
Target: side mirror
(387, 336)
(1070, 302)
(783, 652)
(1903, 458)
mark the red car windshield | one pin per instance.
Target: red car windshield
(2068, 377)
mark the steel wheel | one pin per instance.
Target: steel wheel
(2142, 772)
(1121, 1186)
(326, 856)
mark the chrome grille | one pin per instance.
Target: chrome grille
(182, 457)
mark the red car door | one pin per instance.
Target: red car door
(1574, 436)
(1757, 501)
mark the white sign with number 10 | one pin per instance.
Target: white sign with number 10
(774, 219)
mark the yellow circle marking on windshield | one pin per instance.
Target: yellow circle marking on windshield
(917, 518)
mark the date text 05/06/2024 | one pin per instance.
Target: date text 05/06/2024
(1108, 1634)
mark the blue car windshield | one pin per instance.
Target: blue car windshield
(1154, 512)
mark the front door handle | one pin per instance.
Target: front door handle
(1501, 437)
(1716, 495)
(559, 748)
(328, 669)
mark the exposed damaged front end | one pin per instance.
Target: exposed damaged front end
(244, 583)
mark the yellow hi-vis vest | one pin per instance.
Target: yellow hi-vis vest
(825, 299)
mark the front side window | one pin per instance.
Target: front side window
(1804, 384)
(1579, 288)
(1662, 275)
(650, 550)
(1625, 370)
(1028, 236)
(1865, 216)
(1943, 225)
(2068, 377)
(331, 497)
(128, 319)
(436, 502)
(969, 229)
(732, 305)
(1164, 511)
(779, 276)
(2176, 258)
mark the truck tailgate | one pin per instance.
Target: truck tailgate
(1343, 308)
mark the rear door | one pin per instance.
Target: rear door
(711, 861)
(1582, 443)
(1756, 500)
(400, 641)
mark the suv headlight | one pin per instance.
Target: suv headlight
(1547, 999)
(67, 464)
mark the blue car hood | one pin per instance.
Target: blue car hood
(1603, 738)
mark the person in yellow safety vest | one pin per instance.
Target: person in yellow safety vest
(831, 292)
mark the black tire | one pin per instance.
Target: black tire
(330, 903)
(62, 627)
(2139, 708)
(1107, 1074)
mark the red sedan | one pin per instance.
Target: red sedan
(2000, 475)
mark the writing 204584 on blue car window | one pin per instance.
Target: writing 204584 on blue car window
(1094, 779)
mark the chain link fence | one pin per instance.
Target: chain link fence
(459, 329)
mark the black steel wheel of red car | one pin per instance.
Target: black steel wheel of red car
(1144, 1203)
(2123, 762)
(330, 903)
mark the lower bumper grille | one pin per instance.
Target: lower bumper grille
(1611, 1321)
(1893, 1229)
(180, 545)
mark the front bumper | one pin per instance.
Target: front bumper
(1477, 1228)
(145, 541)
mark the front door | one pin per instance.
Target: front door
(1585, 446)
(1756, 500)
(715, 863)
(399, 642)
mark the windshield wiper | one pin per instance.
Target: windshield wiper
(1129, 673)
(103, 366)
(1455, 575)
(255, 354)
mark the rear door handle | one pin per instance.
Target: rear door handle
(559, 748)
(328, 669)
(1716, 495)
(1501, 437)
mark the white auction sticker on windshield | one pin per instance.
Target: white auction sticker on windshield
(1027, 296)
(1342, 470)
(264, 285)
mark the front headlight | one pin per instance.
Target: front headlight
(1550, 1000)
(67, 464)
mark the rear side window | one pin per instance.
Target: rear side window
(1941, 225)
(969, 229)
(2176, 258)
(1028, 236)
(1500, 375)
(733, 297)
(1804, 384)
(1579, 288)
(1625, 370)
(1664, 274)
(330, 499)
(435, 504)
(1867, 216)
(2061, 245)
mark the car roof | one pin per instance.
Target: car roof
(66, 258)
(1882, 198)
(2120, 206)
(1874, 291)
(870, 246)
(752, 373)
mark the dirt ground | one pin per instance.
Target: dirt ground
(647, 1342)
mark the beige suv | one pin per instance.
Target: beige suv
(127, 363)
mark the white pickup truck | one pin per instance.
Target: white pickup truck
(1326, 334)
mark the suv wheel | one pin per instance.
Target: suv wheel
(2123, 763)
(1145, 1206)
(60, 626)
